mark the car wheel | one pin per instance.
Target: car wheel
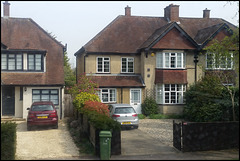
(136, 127)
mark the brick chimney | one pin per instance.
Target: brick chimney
(127, 11)
(171, 13)
(6, 9)
(206, 13)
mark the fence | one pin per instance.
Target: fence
(68, 106)
(193, 136)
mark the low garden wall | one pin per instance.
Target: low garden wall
(194, 136)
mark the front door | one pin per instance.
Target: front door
(135, 100)
(8, 98)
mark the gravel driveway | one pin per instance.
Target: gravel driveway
(44, 143)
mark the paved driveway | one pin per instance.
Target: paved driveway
(44, 143)
(153, 140)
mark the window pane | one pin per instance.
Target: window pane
(173, 97)
(54, 91)
(179, 97)
(31, 62)
(159, 60)
(45, 98)
(179, 60)
(112, 95)
(167, 97)
(130, 66)
(159, 94)
(99, 64)
(19, 62)
(3, 61)
(173, 62)
(38, 62)
(106, 66)
(105, 97)
(172, 87)
(11, 62)
(36, 91)
(45, 91)
(167, 60)
(167, 87)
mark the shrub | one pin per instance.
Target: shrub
(8, 140)
(81, 98)
(99, 107)
(141, 116)
(162, 116)
(149, 106)
(207, 101)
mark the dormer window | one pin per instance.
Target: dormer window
(35, 62)
(12, 62)
(22, 60)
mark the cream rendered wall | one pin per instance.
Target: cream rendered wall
(115, 63)
(148, 70)
(18, 103)
(27, 97)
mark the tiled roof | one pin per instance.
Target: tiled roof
(127, 34)
(25, 34)
(118, 81)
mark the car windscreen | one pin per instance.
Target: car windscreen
(123, 110)
(42, 108)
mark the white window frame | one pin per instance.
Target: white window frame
(108, 92)
(128, 59)
(102, 71)
(219, 67)
(163, 60)
(161, 94)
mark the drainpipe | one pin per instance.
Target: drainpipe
(61, 102)
(195, 62)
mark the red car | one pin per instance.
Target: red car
(42, 113)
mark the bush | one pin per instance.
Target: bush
(208, 101)
(99, 107)
(81, 98)
(8, 140)
(141, 116)
(149, 106)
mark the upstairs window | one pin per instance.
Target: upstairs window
(103, 64)
(213, 61)
(170, 60)
(35, 62)
(12, 62)
(127, 65)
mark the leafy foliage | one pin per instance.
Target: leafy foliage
(84, 84)
(81, 98)
(69, 75)
(149, 106)
(99, 107)
(8, 140)
(207, 101)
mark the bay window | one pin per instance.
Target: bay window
(172, 60)
(170, 93)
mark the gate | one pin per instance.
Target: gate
(177, 135)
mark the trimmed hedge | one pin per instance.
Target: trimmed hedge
(8, 140)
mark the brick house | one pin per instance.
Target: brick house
(138, 56)
(31, 66)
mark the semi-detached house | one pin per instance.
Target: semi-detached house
(31, 66)
(138, 56)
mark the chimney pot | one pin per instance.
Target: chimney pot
(6, 9)
(127, 11)
(171, 13)
(206, 13)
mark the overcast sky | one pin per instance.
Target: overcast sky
(76, 22)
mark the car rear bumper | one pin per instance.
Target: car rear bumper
(31, 122)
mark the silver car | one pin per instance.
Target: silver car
(125, 114)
